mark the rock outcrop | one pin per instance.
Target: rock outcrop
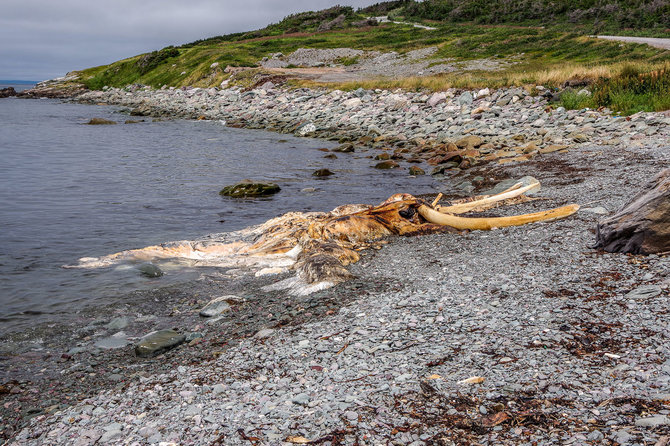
(64, 87)
(7, 92)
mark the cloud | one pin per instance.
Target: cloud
(43, 39)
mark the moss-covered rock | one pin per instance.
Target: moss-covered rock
(248, 188)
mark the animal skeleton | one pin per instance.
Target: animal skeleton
(319, 246)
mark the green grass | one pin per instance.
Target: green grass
(541, 42)
(628, 92)
(347, 61)
(531, 49)
(591, 16)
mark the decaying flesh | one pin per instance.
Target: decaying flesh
(319, 246)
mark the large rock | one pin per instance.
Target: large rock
(158, 342)
(7, 92)
(248, 188)
(643, 225)
(150, 270)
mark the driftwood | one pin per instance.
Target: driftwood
(643, 225)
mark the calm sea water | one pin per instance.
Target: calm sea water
(69, 190)
(17, 87)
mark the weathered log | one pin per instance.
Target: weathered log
(643, 225)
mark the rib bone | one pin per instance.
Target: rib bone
(487, 201)
(486, 224)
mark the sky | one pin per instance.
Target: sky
(44, 39)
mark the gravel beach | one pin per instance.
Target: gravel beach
(520, 336)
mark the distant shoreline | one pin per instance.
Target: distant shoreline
(17, 82)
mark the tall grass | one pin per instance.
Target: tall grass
(629, 91)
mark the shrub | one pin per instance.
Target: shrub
(573, 101)
(150, 61)
(347, 61)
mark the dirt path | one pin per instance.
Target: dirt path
(653, 41)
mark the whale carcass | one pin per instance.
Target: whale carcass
(318, 246)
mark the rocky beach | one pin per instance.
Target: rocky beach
(448, 130)
(522, 336)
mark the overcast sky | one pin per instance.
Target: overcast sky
(43, 39)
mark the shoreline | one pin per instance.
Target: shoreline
(371, 341)
(451, 130)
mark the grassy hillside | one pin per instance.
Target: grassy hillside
(650, 17)
(541, 54)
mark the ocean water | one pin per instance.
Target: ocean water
(18, 87)
(69, 190)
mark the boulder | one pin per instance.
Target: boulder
(150, 270)
(322, 173)
(643, 225)
(158, 342)
(100, 121)
(248, 188)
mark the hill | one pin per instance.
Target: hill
(469, 43)
(593, 16)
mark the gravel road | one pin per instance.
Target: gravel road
(653, 41)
